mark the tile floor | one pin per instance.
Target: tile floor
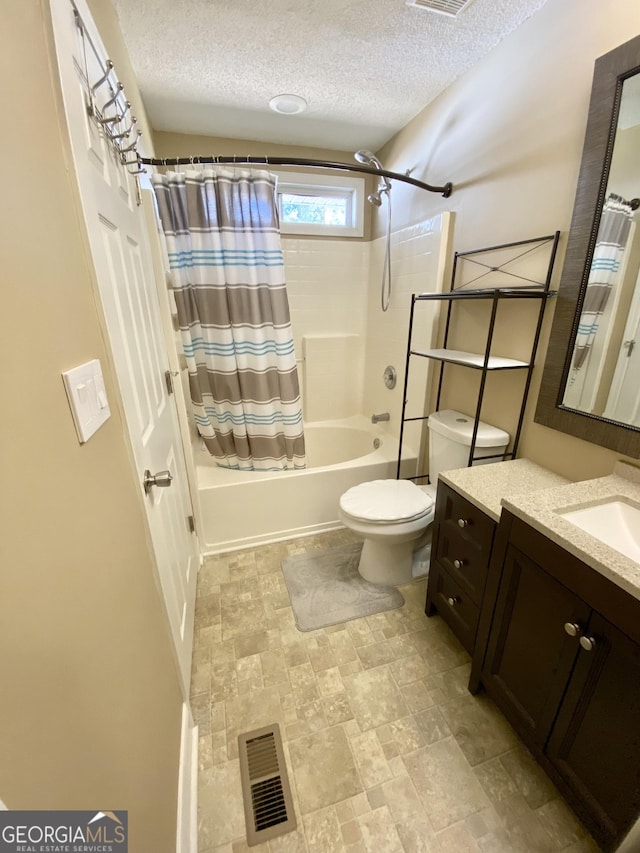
(386, 750)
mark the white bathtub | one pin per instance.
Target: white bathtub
(240, 509)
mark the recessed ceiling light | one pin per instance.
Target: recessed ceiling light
(288, 104)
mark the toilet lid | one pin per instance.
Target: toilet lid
(386, 501)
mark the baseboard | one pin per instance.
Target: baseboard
(187, 822)
(279, 536)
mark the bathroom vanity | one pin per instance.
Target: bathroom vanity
(468, 508)
(557, 639)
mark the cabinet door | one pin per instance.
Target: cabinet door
(530, 655)
(595, 743)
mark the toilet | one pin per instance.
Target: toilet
(394, 516)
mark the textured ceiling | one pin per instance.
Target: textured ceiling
(365, 67)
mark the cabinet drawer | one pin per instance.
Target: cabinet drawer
(467, 519)
(455, 606)
(465, 561)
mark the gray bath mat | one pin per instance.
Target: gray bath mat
(325, 588)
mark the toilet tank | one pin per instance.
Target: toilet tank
(450, 435)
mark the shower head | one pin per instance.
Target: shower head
(368, 158)
(376, 197)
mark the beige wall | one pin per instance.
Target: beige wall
(90, 710)
(509, 135)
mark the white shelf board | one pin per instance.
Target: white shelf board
(471, 359)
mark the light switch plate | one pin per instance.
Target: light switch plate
(87, 397)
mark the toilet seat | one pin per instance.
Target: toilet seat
(386, 502)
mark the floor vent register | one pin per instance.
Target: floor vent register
(268, 806)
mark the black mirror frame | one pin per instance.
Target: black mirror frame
(610, 72)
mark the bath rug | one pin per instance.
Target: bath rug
(325, 588)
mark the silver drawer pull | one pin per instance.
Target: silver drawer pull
(459, 563)
(453, 601)
(572, 629)
(588, 643)
(463, 522)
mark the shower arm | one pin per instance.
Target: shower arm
(445, 190)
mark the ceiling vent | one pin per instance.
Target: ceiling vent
(452, 8)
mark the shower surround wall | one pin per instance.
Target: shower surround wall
(342, 338)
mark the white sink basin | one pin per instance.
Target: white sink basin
(615, 523)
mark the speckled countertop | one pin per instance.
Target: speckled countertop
(486, 485)
(541, 511)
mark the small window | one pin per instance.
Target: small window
(313, 204)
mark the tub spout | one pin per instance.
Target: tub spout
(383, 417)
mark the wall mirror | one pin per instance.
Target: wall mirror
(591, 381)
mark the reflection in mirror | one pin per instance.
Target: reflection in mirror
(604, 374)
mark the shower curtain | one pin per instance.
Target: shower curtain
(608, 254)
(227, 276)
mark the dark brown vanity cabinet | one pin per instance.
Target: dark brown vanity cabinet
(460, 551)
(563, 664)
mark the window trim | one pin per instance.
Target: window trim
(327, 185)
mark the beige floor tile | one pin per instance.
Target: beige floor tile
(324, 769)
(406, 735)
(417, 696)
(343, 648)
(376, 654)
(220, 809)
(417, 835)
(274, 667)
(409, 669)
(240, 618)
(251, 645)
(337, 708)
(480, 729)
(370, 759)
(522, 826)
(374, 697)
(379, 833)
(457, 839)
(533, 783)
(445, 783)
(243, 716)
(560, 823)
(323, 832)
(402, 799)
(432, 725)
(303, 684)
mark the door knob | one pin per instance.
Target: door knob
(463, 522)
(161, 479)
(458, 563)
(572, 629)
(453, 601)
(588, 643)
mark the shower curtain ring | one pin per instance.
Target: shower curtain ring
(109, 67)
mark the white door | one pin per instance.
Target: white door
(121, 256)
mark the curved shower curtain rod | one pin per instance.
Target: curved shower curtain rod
(445, 190)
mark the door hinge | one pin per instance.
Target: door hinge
(192, 523)
(168, 378)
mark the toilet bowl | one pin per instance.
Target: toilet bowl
(394, 516)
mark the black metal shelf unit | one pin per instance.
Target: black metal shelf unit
(526, 288)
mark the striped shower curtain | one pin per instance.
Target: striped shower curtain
(608, 254)
(227, 272)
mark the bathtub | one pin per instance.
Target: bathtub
(241, 509)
